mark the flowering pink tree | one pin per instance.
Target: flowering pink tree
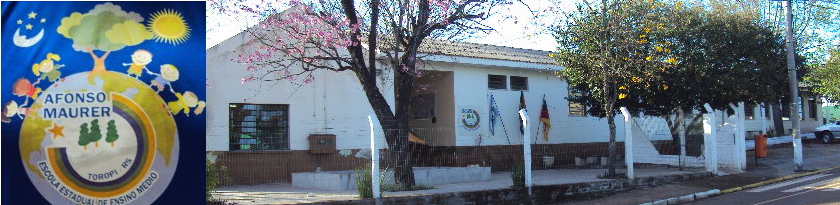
(360, 37)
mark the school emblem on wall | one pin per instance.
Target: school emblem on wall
(469, 118)
(103, 136)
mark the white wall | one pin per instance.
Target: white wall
(334, 103)
(471, 90)
(806, 125)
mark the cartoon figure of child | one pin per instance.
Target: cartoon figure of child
(11, 109)
(47, 68)
(139, 59)
(168, 73)
(23, 87)
(186, 101)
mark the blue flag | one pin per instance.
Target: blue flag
(101, 98)
(493, 113)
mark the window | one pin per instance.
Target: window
(812, 108)
(518, 83)
(575, 109)
(259, 126)
(497, 82)
(785, 111)
(767, 111)
(749, 111)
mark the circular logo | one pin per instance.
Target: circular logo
(109, 139)
(470, 119)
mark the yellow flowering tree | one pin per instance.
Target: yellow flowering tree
(665, 58)
(611, 48)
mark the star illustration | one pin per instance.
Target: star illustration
(28, 26)
(19, 22)
(57, 131)
(43, 20)
(32, 15)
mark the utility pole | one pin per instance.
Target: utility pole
(794, 90)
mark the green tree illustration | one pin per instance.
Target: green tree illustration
(95, 133)
(84, 136)
(111, 135)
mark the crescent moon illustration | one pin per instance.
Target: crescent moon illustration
(22, 41)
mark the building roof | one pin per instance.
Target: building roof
(485, 51)
(462, 49)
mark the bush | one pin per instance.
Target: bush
(363, 181)
(215, 175)
(518, 175)
(402, 187)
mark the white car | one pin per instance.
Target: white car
(825, 133)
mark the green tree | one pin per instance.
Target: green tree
(107, 28)
(608, 47)
(111, 135)
(84, 136)
(825, 78)
(95, 133)
(666, 58)
(722, 57)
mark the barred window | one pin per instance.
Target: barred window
(785, 111)
(812, 108)
(259, 126)
(498, 82)
(518, 83)
(575, 109)
(749, 111)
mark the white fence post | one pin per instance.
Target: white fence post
(374, 157)
(739, 156)
(763, 119)
(710, 139)
(741, 140)
(628, 142)
(526, 147)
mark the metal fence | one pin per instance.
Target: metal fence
(437, 155)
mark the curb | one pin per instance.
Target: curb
(686, 198)
(750, 186)
(714, 192)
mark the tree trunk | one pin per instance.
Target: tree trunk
(778, 124)
(395, 126)
(98, 65)
(401, 154)
(682, 132)
(611, 162)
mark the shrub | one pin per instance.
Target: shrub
(215, 175)
(363, 181)
(518, 175)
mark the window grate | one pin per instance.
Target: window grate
(518, 83)
(259, 126)
(498, 82)
(575, 109)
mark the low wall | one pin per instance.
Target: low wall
(346, 180)
(548, 194)
(750, 144)
(258, 167)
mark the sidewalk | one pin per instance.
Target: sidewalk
(779, 163)
(284, 193)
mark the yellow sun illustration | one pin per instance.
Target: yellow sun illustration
(168, 26)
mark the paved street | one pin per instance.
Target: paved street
(777, 164)
(821, 188)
